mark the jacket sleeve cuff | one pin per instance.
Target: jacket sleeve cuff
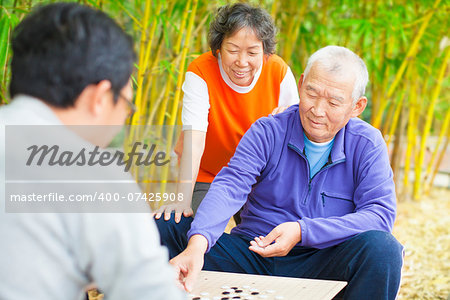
(304, 231)
(207, 237)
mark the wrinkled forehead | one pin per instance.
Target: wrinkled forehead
(337, 81)
(343, 72)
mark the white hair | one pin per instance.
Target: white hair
(336, 59)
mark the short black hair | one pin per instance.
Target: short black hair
(231, 18)
(61, 48)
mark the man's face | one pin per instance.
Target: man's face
(121, 109)
(113, 115)
(326, 103)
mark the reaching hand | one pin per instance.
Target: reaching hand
(279, 241)
(178, 207)
(189, 263)
(279, 109)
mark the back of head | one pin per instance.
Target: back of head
(335, 59)
(61, 48)
(233, 17)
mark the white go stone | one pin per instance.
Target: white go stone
(279, 297)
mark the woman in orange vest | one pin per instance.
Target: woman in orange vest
(225, 91)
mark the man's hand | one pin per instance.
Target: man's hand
(279, 241)
(278, 110)
(189, 263)
(178, 207)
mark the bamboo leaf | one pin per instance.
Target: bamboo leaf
(4, 47)
(167, 66)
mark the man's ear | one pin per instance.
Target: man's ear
(100, 95)
(359, 106)
(94, 97)
(300, 82)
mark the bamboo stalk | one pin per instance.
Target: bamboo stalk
(363, 12)
(180, 78)
(134, 132)
(411, 53)
(140, 76)
(382, 100)
(151, 82)
(397, 149)
(200, 26)
(428, 121)
(177, 97)
(147, 96)
(441, 157)
(397, 111)
(323, 19)
(375, 91)
(388, 119)
(4, 50)
(148, 49)
(444, 130)
(394, 111)
(293, 31)
(411, 131)
(274, 9)
(129, 14)
(162, 112)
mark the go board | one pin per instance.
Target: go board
(233, 286)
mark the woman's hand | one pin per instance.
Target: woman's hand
(179, 207)
(278, 110)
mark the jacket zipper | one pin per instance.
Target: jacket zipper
(326, 166)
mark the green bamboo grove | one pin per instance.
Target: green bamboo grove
(405, 44)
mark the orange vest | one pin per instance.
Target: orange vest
(232, 113)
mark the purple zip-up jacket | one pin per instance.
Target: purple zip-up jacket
(269, 175)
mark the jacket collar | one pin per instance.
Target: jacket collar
(297, 140)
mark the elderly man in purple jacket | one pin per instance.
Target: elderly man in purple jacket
(316, 189)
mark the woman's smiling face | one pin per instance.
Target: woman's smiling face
(242, 54)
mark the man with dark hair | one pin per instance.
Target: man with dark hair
(65, 54)
(71, 65)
